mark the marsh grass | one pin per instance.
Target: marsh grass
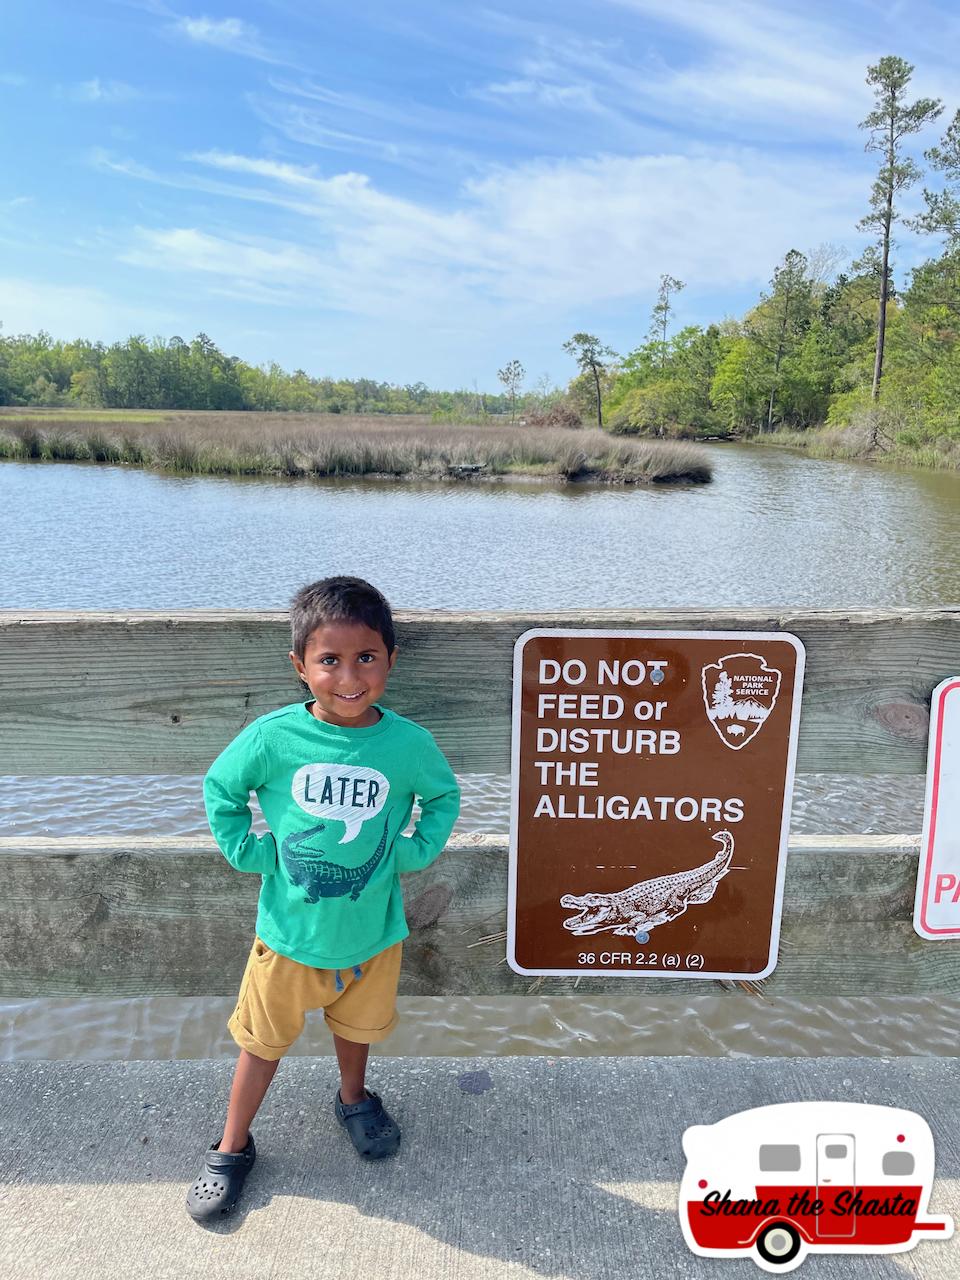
(404, 446)
(853, 443)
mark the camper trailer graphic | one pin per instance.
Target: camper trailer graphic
(779, 1182)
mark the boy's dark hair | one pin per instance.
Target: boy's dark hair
(339, 600)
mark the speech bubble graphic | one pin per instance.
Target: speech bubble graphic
(348, 793)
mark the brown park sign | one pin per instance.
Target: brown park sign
(652, 780)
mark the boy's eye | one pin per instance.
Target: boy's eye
(364, 657)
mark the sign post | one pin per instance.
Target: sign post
(651, 787)
(936, 911)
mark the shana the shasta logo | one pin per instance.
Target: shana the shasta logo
(776, 1183)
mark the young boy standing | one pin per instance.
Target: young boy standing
(336, 776)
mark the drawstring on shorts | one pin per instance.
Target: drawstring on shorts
(338, 981)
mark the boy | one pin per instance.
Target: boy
(336, 777)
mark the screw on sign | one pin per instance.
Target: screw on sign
(652, 778)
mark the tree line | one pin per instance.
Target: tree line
(38, 370)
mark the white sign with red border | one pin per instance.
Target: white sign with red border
(936, 912)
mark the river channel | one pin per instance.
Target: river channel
(773, 529)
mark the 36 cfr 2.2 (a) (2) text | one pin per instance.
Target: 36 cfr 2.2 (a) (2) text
(637, 959)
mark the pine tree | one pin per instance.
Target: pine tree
(891, 120)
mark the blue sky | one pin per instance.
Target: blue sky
(425, 191)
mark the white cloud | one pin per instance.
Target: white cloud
(403, 112)
(232, 35)
(413, 139)
(545, 93)
(187, 249)
(565, 235)
(104, 160)
(422, 137)
(100, 158)
(744, 68)
(97, 90)
(301, 124)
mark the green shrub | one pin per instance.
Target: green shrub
(58, 447)
(12, 446)
(652, 410)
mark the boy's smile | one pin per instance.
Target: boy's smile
(345, 665)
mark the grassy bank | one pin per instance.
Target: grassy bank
(853, 444)
(282, 444)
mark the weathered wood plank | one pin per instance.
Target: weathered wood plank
(170, 917)
(146, 692)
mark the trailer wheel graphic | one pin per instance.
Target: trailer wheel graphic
(778, 1243)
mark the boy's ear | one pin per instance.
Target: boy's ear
(393, 657)
(297, 664)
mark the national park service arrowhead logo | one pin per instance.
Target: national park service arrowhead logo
(739, 692)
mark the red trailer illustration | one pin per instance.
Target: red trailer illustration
(779, 1182)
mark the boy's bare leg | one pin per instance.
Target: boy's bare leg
(352, 1058)
(251, 1079)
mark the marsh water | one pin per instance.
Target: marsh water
(773, 529)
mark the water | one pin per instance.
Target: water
(773, 529)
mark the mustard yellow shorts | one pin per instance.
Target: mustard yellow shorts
(276, 992)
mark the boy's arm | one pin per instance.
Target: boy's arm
(239, 769)
(436, 787)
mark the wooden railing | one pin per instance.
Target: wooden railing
(147, 693)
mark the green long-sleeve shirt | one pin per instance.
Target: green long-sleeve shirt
(336, 801)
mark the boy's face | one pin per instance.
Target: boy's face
(346, 666)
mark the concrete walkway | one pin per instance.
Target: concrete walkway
(559, 1167)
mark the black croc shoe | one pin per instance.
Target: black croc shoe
(220, 1181)
(372, 1131)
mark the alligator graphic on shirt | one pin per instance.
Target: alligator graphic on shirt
(651, 902)
(319, 878)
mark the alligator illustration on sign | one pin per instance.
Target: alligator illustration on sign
(651, 902)
(319, 878)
